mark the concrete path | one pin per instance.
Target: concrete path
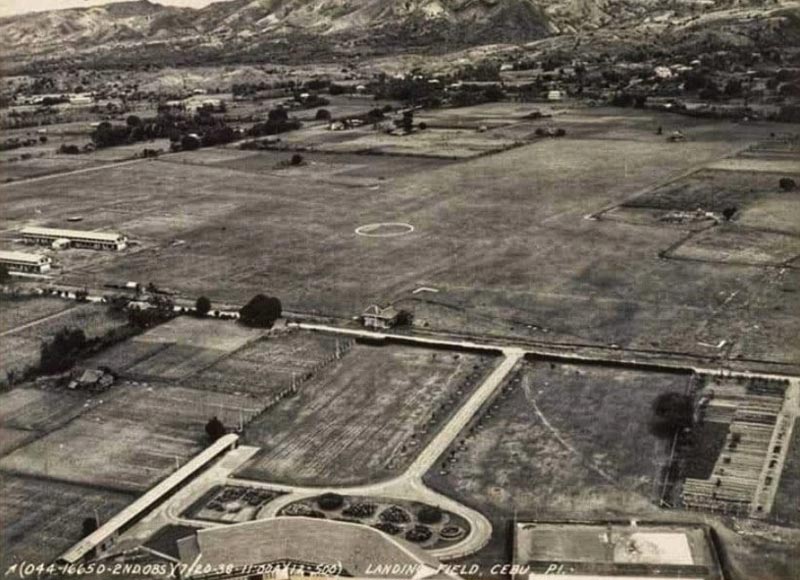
(169, 512)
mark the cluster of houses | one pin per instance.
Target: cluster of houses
(57, 239)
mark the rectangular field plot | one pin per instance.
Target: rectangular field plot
(444, 143)
(791, 165)
(39, 410)
(178, 349)
(563, 439)
(364, 418)
(711, 190)
(15, 312)
(737, 245)
(269, 365)
(42, 518)
(137, 436)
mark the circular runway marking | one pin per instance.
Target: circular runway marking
(384, 230)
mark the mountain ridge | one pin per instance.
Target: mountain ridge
(252, 26)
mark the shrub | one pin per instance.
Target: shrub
(296, 159)
(672, 412)
(323, 115)
(62, 352)
(330, 501)
(429, 515)
(215, 429)
(729, 212)
(787, 184)
(202, 306)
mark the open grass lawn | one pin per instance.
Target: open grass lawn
(560, 442)
(503, 236)
(43, 518)
(363, 418)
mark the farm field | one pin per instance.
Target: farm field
(516, 261)
(740, 246)
(134, 436)
(23, 310)
(561, 442)
(42, 517)
(21, 348)
(177, 349)
(37, 410)
(268, 365)
(364, 418)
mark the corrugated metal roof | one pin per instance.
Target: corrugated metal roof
(21, 257)
(59, 233)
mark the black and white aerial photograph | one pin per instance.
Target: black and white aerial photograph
(400, 289)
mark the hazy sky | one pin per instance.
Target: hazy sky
(8, 7)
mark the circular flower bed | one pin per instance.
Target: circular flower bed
(395, 515)
(301, 509)
(360, 510)
(388, 528)
(419, 534)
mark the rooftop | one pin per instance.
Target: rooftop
(355, 547)
(22, 257)
(59, 233)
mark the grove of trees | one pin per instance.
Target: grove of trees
(261, 312)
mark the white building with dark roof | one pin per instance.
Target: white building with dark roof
(378, 317)
(24, 262)
(76, 238)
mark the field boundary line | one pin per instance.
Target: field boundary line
(111, 165)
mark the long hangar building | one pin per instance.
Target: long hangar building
(22, 262)
(75, 238)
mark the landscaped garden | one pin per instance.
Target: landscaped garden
(428, 526)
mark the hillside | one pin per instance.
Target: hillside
(249, 29)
